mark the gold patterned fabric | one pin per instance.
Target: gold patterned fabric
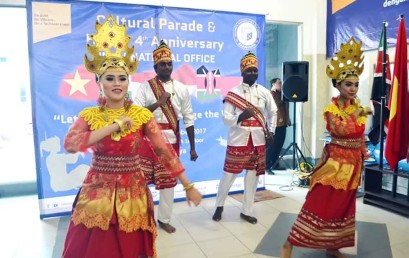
(341, 162)
(109, 48)
(153, 170)
(348, 143)
(248, 157)
(241, 103)
(349, 60)
(345, 114)
(327, 218)
(114, 164)
(114, 189)
(313, 231)
(167, 109)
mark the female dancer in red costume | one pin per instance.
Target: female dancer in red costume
(112, 215)
(327, 218)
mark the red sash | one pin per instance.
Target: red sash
(167, 108)
(242, 103)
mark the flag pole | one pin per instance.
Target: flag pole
(395, 171)
(383, 94)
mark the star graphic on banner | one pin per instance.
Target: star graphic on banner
(77, 84)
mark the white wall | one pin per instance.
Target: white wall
(13, 2)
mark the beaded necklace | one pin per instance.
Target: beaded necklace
(248, 96)
(171, 95)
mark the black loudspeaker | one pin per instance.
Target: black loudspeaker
(295, 81)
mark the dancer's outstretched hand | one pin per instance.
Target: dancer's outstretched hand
(193, 195)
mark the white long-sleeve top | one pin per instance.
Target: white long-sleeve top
(262, 99)
(180, 99)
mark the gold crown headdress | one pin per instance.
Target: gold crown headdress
(162, 53)
(347, 61)
(109, 48)
(248, 60)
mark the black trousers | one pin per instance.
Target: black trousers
(273, 150)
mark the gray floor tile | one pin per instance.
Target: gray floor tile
(373, 240)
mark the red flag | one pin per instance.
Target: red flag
(397, 139)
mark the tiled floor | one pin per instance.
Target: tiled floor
(24, 235)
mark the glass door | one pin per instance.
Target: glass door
(17, 164)
(282, 44)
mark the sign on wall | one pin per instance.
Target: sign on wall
(207, 47)
(362, 19)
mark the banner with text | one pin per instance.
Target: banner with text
(362, 19)
(206, 45)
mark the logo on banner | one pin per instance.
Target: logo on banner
(389, 3)
(246, 34)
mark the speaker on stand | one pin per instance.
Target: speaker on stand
(294, 89)
(295, 82)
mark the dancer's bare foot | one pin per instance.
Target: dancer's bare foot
(335, 253)
(167, 227)
(286, 250)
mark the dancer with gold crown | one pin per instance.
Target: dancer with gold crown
(113, 212)
(327, 218)
(249, 132)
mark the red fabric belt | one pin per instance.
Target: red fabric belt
(250, 123)
(115, 164)
(165, 126)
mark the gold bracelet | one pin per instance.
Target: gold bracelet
(120, 124)
(116, 136)
(189, 186)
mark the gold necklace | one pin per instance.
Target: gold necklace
(109, 115)
(345, 112)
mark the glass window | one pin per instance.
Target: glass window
(16, 133)
(282, 44)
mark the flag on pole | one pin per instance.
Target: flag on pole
(378, 91)
(397, 139)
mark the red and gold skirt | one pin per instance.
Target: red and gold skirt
(248, 157)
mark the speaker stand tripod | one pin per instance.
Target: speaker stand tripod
(296, 150)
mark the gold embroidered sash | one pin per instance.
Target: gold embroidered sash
(242, 104)
(167, 108)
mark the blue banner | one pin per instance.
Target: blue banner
(362, 19)
(206, 45)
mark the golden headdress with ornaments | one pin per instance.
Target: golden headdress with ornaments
(109, 48)
(347, 61)
(162, 53)
(248, 60)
